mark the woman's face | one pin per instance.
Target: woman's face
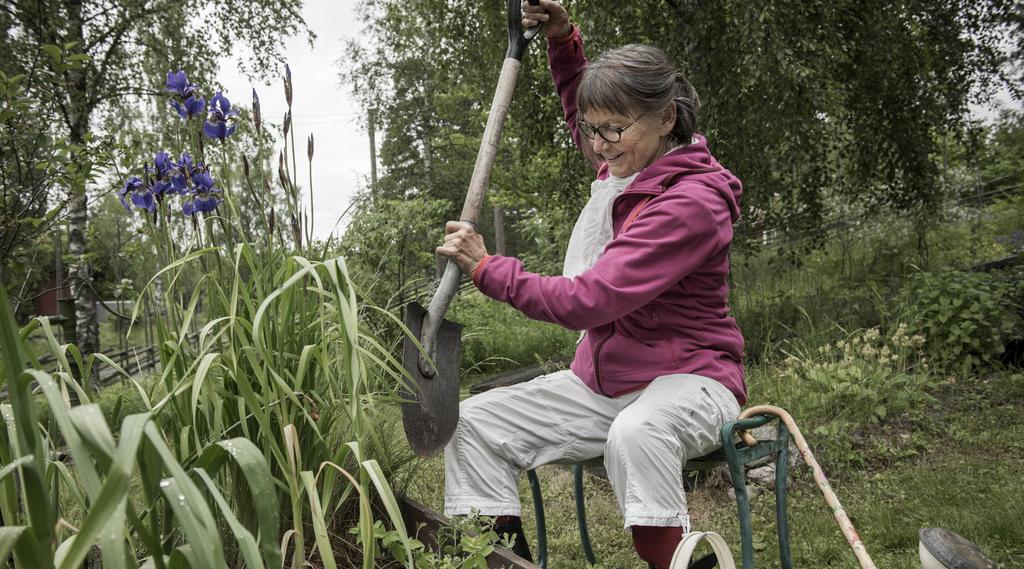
(641, 143)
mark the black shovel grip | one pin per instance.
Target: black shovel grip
(517, 38)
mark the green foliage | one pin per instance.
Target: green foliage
(265, 362)
(1001, 152)
(498, 337)
(91, 61)
(968, 318)
(387, 245)
(464, 543)
(284, 362)
(174, 517)
(837, 73)
(1007, 224)
(789, 304)
(35, 162)
(863, 379)
(284, 366)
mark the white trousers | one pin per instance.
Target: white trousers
(645, 437)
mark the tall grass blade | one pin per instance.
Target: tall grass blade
(246, 543)
(41, 510)
(28, 549)
(72, 439)
(190, 509)
(380, 482)
(323, 542)
(13, 467)
(89, 422)
(260, 482)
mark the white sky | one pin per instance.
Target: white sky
(323, 107)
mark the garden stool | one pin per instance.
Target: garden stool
(736, 454)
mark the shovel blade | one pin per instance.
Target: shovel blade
(430, 407)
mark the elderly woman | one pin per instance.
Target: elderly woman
(659, 369)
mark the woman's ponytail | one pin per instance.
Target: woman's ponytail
(687, 108)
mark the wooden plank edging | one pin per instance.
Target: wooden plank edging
(423, 523)
(512, 377)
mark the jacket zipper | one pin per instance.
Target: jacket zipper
(597, 349)
(633, 214)
(597, 361)
(629, 220)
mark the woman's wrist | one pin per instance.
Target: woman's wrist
(563, 34)
(474, 274)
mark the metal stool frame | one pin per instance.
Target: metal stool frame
(736, 454)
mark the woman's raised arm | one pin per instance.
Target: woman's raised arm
(567, 61)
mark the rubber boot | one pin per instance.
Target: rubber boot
(514, 527)
(709, 561)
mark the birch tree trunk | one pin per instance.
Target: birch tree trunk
(80, 272)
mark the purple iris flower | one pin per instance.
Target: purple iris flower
(216, 125)
(203, 199)
(145, 200)
(191, 107)
(138, 193)
(182, 172)
(200, 204)
(178, 84)
(183, 95)
(162, 166)
(203, 181)
(179, 185)
(131, 186)
(184, 165)
(162, 188)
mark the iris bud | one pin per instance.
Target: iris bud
(256, 119)
(288, 85)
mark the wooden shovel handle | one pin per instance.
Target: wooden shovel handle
(471, 209)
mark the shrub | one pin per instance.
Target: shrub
(968, 318)
(842, 390)
(862, 379)
(464, 543)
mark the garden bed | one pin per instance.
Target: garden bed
(425, 523)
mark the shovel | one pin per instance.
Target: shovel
(430, 408)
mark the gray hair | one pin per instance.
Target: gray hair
(639, 79)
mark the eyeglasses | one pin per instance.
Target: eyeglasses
(611, 134)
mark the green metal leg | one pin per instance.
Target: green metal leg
(737, 455)
(538, 512)
(581, 513)
(781, 515)
(742, 500)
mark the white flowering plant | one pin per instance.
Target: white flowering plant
(865, 378)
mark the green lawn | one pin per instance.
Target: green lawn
(960, 467)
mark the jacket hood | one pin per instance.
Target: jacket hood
(690, 164)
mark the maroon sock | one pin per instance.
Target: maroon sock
(656, 544)
(507, 521)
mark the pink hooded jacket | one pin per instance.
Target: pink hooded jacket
(656, 302)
